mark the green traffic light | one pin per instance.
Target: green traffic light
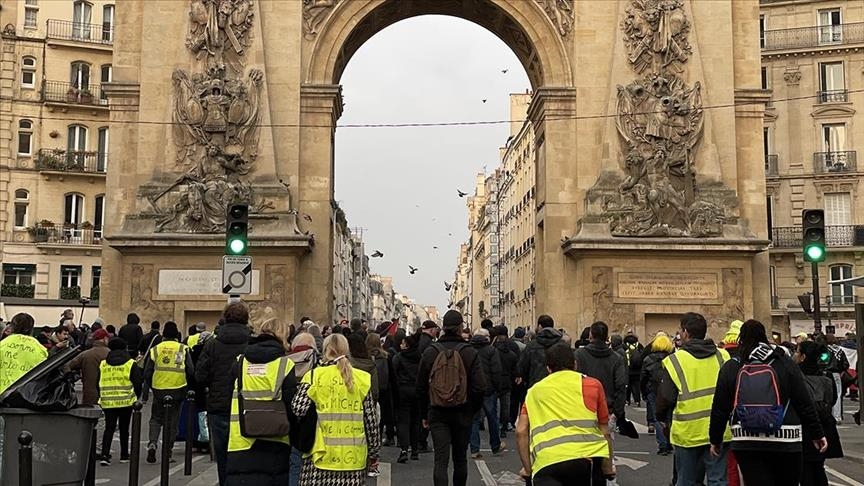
(237, 246)
(815, 253)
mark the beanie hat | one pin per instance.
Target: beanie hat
(519, 333)
(452, 319)
(100, 334)
(117, 344)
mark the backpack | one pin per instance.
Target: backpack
(448, 379)
(757, 399)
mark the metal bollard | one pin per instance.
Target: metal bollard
(25, 459)
(135, 449)
(191, 418)
(168, 427)
(90, 478)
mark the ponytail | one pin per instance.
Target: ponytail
(336, 351)
(344, 365)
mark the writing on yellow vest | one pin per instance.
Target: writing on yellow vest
(115, 386)
(340, 444)
(695, 379)
(562, 427)
(18, 355)
(169, 365)
(260, 382)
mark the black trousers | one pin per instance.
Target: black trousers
(764, 468)
(567, 473)
(633, 389)
(388, 419)
(450, 431)
(408, 413)
(813, 473)
(112, 417)
(517, 398)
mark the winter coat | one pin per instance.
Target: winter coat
(477, 384)
(367, 365)
(132, 334)
(406, 365)
(793, 391)
(532, 362)
(136, 374)
(490, 361)
(508, 351)
(88, 362)
(827, 394)
(633, 362)
(652, 367)
(425, 341)
(382, 363)
(144, 345)
(266, 463)
(213, 368)
(600, 362)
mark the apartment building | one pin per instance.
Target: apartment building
(343, 266)
(812, 62)
(54, 137)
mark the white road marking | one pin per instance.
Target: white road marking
(384, 474)
(839, 475)
(633, 464)
(485, 473)
(174, 470)
(103, 481)
(633, 452)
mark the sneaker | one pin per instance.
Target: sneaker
(403, 457)
(476, 455)
(385, 442)
(373, 472)
(124, 459)
(415, 456)
(105, 461)
(503, 448)
(151, 455)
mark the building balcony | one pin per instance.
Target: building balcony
(101, 34)
(65, 235)
(814, 36)
(833, 162)
(66, 93)
(835, 236)
(833, 96)
(771, 165)
(58, 160)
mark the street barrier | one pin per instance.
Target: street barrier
(167, 428)
(135, 450)
(25, 459)
(191, 419)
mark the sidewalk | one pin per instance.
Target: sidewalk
(851, 435)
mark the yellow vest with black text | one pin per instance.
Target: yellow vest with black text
(19, 354)
(562, 427)
(169, 365)
(115, 386)
(695, 379)
(260, 382)
(193, 340)
(340, 442)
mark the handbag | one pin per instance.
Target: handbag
(267, 418)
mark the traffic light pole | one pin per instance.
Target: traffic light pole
(817, 310)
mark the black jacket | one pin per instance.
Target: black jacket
(508, 351)
(154, 336)
(532, 362)
(667, 394)
(826, 392)
(474, 369)
(491, 363)
(382, 363)
(132, 334)
(213, 369)
(406, 366)
(136, 374)
(599, 361)
(652, 367)
(793, 391)
(425, 341)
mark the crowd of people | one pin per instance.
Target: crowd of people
(316, 406)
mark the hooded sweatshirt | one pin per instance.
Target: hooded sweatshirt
(532, 361)
(406, 365)
(600, 362)
(667, 395)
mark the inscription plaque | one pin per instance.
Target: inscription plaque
(197, 282)
(668, 286)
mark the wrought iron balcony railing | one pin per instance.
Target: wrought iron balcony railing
(813, 36)
(835, 236)
(838, 161)
(62, 92)
(73, 235)
(71, 161)
(81, 32)
(771, 165)
(833, 96)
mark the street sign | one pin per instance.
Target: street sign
(236, 275)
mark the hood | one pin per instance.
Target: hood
(548, 336)
(99, 344)
(763, 353)
(410, 354)
(263, 349)
(700, 348)
(479, 341)
(507, 344)
(117, 357)
(599, 349)
(364, 364)
(234, 333)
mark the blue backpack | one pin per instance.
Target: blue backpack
(757, 399)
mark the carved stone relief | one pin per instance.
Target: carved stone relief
(616, 316)
(560, 12)
(315, 12)
(219, 31)
(792, 78)
(719, 317)
(141, 295)
(275, 299)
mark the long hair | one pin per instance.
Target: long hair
(752, 335)
(373, 345)
(272, 328)
(336, 351)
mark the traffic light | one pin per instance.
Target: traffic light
(237, 229)
(813, 235)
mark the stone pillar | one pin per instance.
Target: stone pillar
(320, 108)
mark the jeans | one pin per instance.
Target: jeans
(490, 411)
(450, 431)
(219, 430)
(662, 440)
(765, 468)
(409, 422)
(295, 468)
(574, 471)
(694, 464)
(504, 398)
(113, 416)
(162, 419)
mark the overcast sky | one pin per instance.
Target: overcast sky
(399, 184)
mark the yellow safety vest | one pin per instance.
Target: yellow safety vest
(18, 355)
(193, 340)
(695, 379)
(260, 382)
(169, 365)
(115, 387)
(340, 444)
(562, 427)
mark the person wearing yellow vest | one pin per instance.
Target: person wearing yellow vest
(686, 393)
(120, 380)
(195, 334)
(348, 439)
(267, 374)
(168, 370)
(563, 426)
(20, 352)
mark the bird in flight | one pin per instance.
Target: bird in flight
(447, 286)
(461, 194)
(413, 270)
(377, 254)
(434, 247)
(484, 101)
(504, 71)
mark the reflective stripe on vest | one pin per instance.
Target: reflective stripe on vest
(562, 426)
(115, 386)
(695, 379)
(260, 382)
(169, 365)
(340, 444)
(18, 355)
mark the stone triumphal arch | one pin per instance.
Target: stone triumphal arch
(647, 113)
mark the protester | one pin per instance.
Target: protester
(557, 409)
(20, 352)
(214, 371)
(532, 362)
(60, 340)
(508, 352)
(490, 361)
(406, 366)
(360, 358)
(652, 372)
(195, 333)
(315, 331)
(600, 362)
(385, 397)
(448, 403)
(632, 353)
(131, 333)
(348, 422)
(837, 368)
(428, 334)
(88, 363)
(152, 338)
(306, 357)
(120, 384)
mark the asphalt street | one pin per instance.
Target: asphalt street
(637, 463)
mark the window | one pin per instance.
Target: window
(832, 85)
(102, 150)
(108, 23)
(25, 137)
(70, 276)
(81, 17)
(77, 138)
(98, 216)
(106, 75)
(834, 140)
(31, 13)
(762, 31)
(772, 283)
(841, 293)
(838, 209)
(18, 273)
(80, 75)
(97, 277)
(830, 26)
(769, 210)
(22, 201)
(28, 72)
(74, 207)
(764, 78)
